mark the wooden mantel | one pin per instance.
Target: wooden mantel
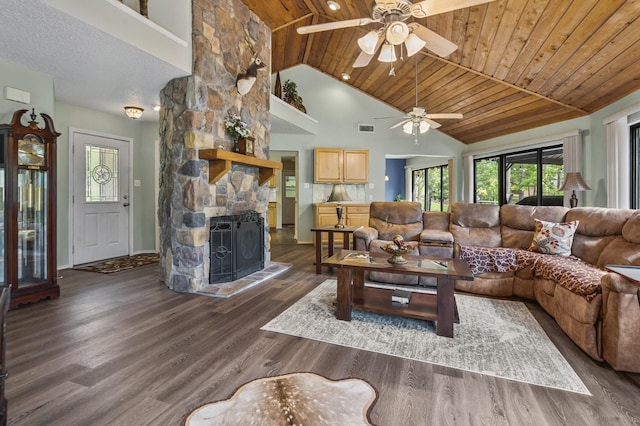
(220, 162)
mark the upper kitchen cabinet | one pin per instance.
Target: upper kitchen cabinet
(333, 165)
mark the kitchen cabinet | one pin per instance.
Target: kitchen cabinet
(272, 215)
(352, 215)
(335, 165)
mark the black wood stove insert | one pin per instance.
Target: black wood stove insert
(237, 246)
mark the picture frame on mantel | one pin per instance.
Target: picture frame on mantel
(247, 146)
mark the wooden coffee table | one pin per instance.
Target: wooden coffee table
(440, 307)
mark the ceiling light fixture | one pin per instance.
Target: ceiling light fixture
(397, 33)
(333, 5)
(345, 76)
(156, 107)
(133, 112)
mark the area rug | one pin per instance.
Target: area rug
(228, 289)
(292, 399)
(494, 337)
(120, 264)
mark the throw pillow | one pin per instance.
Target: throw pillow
(553, 238)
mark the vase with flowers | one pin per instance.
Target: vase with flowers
(237, 128)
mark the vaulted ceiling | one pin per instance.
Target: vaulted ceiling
(520, 64)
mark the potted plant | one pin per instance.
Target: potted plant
(290, 92)
(237, 128)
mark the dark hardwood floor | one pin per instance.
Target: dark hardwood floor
(122, 349)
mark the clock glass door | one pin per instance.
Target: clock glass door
(32, 227)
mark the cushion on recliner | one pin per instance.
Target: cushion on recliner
(396, 218)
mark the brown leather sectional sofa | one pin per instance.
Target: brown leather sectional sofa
(597, 309)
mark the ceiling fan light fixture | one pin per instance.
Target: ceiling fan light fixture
(369, 42)
(397, 33)
(424, 126)
(387, 53)
(333, 5)
(414, 44)
(408, 127)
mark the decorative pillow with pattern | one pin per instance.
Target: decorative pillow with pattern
(553, 238)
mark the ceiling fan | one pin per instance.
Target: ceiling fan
(417, 120)
(393, 14)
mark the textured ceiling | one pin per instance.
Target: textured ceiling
(89, 68)
(520, 64)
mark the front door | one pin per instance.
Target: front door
(100, 197)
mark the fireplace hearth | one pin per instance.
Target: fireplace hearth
(237, 246)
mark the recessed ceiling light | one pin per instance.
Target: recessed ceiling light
(333, 5)
(345, 76)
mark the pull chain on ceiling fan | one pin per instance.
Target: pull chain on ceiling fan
(395, 31)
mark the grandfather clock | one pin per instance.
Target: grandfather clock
(28, 208)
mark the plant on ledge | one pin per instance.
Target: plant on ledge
(236, 127)
(290, 91)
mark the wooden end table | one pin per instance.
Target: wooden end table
(347, 232)
(440, 307)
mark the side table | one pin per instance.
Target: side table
(347, 232)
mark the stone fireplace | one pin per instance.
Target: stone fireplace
(192, 119)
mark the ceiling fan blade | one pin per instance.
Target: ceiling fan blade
(435, 7)
(307, 29)
(400, 123)
(433, 124)
(444, 116)
(362, 60)
(435, 42)
(397, 117)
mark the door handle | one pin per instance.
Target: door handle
(126, 204)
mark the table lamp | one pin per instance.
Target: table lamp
(574, 182)
(338, 194)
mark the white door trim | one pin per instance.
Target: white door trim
(70, 228)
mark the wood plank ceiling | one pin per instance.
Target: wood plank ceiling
(520, 64)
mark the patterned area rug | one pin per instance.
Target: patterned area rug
(120, 264)
(495, 337)
(292, 399)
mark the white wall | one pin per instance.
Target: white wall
(339, 109)
(38, 85)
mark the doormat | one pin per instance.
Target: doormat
(499, 338)
(120, 264)
(292, 399)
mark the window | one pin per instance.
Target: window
(530, 177)
(635, 168)
(431, 188)
(102, 174)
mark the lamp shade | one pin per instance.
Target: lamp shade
(424, 126)
(369, 42)
(338, 194)
(413, 43)
(408, 127)
(387, 53)
(574, 181)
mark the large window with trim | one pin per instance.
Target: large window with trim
(531, 177)
(635, 168)
(430, 187)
